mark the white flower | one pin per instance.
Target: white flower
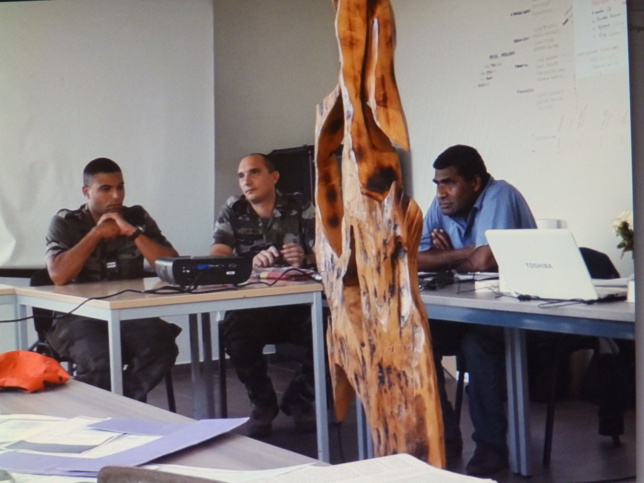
(623, 217)
(623, 227)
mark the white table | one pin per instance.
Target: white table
(7, 295)
(8, 298)
(135, 305)
(230, 451)
(460, 303)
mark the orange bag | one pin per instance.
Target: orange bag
(30, 371)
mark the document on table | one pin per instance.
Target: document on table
(400, 467)
(387, 469)
(82, 446)
(26, 478)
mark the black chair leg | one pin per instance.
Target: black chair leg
(223, 396)
(169, 387)
(460, 386)
(550, 413)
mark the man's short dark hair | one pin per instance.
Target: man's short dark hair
(467, 161)
(99, 165)
(270, 166)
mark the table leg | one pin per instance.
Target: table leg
(116, 362)
(319, 361)
(199, 412)
(365, 442)
(21, 328)
(208, 373)
(518, 406)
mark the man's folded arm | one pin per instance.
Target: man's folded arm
(152, 250)
(65, 266)
(467, 259)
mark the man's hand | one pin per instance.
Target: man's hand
(266, 258)
(107, 228)
(124, 227)
(293, 254)
(441, 240)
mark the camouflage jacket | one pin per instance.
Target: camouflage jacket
(292, 221)
(112, 259)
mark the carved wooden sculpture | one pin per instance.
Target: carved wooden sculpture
(368, 232)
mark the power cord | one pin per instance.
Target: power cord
(169, 289)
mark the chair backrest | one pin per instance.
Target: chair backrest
(43, 318)
(599, 264)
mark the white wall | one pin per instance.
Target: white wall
(274, 61)
(127, 79)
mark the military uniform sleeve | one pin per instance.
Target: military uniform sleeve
(308, 226)
(61, 235)
(138, 216)
(224, 232)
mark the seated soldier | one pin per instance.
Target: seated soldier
(273, 228)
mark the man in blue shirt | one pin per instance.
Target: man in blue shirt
(469, 201)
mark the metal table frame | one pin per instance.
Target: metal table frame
(136, 305)
(463, 304)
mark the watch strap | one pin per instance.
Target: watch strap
(136, 234)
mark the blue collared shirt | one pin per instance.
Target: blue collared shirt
(500, 205)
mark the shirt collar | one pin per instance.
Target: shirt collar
(478, 204)
(479, 201)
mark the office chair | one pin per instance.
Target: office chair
(612, 401)
(460, 386)
(127, 474)
(43, 320)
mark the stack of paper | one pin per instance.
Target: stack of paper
(81, 446)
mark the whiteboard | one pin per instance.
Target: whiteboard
(131, 80)
(540, 88)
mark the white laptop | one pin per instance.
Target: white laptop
(547, 264)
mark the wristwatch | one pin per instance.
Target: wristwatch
(135, 234)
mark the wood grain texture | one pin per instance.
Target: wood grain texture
(367, 238)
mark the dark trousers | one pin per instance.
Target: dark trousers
(246, 332)
(483, 350)
(148, 351)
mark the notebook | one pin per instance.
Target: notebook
(547, 264)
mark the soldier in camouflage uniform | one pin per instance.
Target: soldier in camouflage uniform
(104, 240)
(274, 229)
